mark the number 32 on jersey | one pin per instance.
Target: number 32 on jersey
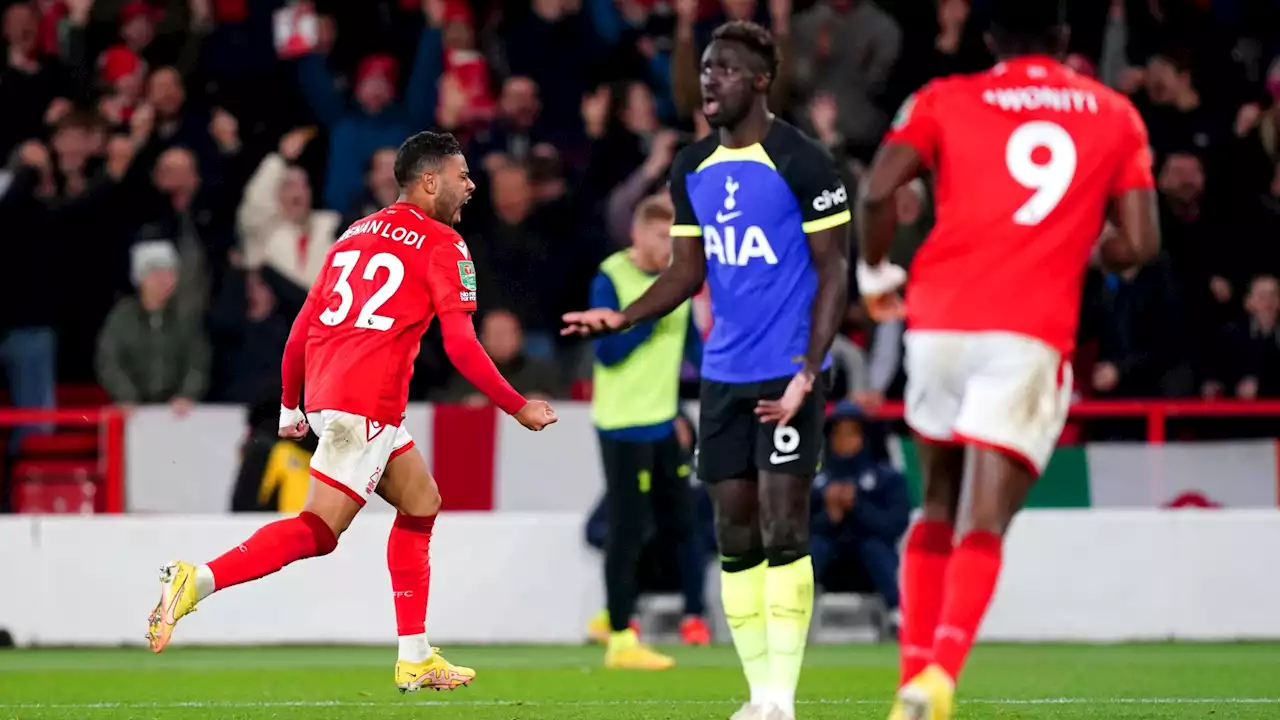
(1049, 180)
(368, 319)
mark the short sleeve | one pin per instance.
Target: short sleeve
(1134, 171)
(451, 277)
(814, 178)
(917, 125)
(686, 221)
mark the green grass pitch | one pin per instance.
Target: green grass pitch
(1026, 682)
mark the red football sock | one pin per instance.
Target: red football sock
(924, 572)
(409, 560)
(971, 581)
(273, 547)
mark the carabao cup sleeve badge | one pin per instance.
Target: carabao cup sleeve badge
(467, 274)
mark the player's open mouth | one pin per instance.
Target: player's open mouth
(710, 106)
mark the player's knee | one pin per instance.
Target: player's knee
(424, 503)
(323, 534)
(737, 539)
(786, 540)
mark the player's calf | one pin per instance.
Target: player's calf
(784, 515)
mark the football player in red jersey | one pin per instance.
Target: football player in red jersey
(1029, 159)
(355, 341)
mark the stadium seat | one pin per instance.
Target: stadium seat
(78, 395)
(660, 615)
(55, 486)
(56, 445)
(840, 618)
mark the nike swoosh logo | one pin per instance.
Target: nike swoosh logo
(726, 217)
(777, 459)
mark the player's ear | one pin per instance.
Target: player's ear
(762, 81)
(430, 182)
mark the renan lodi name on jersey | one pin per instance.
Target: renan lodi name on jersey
(385, 229)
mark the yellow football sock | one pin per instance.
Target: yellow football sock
(789, 595)
(743, 595)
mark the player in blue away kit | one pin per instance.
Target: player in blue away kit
(762, 216)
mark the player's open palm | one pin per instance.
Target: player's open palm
(536, 415)
(597, 321)
(784, 408)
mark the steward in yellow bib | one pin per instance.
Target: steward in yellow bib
(635, 398)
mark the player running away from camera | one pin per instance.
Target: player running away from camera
(762, 217)
(355, 341)
(1030, 159)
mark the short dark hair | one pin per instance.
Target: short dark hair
(755, 38)
(1021, 27)
(422, 152)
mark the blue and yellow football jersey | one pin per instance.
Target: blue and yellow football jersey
(753, 207)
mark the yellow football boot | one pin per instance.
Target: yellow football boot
(435, 674)
(931, 695)
(177, 600)
(598, 628)
(627, 653)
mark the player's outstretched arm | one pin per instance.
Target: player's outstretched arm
(675, 285)
(1135, 239)
(468, 355)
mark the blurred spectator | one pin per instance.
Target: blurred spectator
(150, 351)
(518, 265)
(214, 136)
(1135, 318)
(275, 472)
(191, 218)
(1247, 359)
(1257, 152)
(860, 510)
(652, 173)
(29, 81)
(847, 48)
(553, 45)
(375, 120)
(278, 226)
(622, 122)
(380, 188)
(1178, 118)
(124, 76)
(503, 339)
(466, 99)
(1199, 248)
(516, 129)
(248, 328)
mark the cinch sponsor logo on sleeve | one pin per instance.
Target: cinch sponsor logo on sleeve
(830, 199)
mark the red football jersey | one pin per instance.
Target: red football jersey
(385, 279)
(1026, 157)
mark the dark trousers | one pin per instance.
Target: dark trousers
(840, 555)
(646, 493)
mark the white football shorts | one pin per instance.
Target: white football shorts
(354, 451)
(1001, 390)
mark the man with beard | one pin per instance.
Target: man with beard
(354, 342)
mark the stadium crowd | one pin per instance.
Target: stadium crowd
(177, 169)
